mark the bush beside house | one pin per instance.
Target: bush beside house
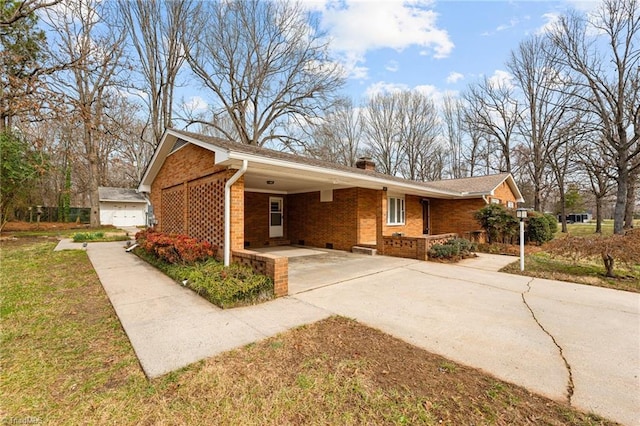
(191, 263)
(454, 249)
(502, 226)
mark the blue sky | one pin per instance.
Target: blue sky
(432, 46)
(443, 45)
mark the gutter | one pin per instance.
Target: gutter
(227, 210)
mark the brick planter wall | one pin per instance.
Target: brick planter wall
(412, 247)
(275, 267)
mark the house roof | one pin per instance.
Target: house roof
(107, 193)
(293, 172)
(479, 184)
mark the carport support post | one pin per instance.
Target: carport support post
(521, 214)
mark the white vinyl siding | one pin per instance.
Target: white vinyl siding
(395, 211)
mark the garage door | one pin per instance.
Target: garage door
(129, 215)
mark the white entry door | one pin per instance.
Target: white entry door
(276, 222)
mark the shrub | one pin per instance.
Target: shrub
(235, 285)
(500, 224)
(453, 248)
(442, 251)
(553, 223)
(174, 248)
(87, 236)
(538, 230)
(622, 248)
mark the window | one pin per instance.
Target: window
(495, 201)
(395, 211)
(511, 204)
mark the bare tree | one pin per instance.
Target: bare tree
(494, 111)
(155, 29)
(263, 62)
(23, 9)
(602, 54)
(543, 106)
(383, 131)
(419, 127)
(600, 170)
(338, 136)
(86, 38)
(476, 150)
(453, 118)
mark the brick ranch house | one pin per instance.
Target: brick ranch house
(240, 197)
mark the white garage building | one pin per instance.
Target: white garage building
(122, 207)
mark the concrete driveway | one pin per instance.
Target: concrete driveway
(570, 342)
(566, 341)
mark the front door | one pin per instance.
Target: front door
(425, 217)
(276, 222)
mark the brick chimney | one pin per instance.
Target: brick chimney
(365, 163)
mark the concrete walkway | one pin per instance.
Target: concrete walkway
(170, 326)
(566, 341)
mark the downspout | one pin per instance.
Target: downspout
(227, 210)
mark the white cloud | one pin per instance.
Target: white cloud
(550, 18)
(357, 27)
(501, 78)
(392, 66)
(195, 104)
(512, 23)
(382, 87)
(454, 77)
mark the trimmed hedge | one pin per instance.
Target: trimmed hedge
(190, 263)
(174, 248)
(452, 249)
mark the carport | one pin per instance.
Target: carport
(311, 268)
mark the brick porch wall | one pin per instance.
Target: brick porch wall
(413, 247)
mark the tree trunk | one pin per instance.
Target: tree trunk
(92, 156)
(608, 264)
(563, 210)
(621, 198)
(598, 214)
(631, 199)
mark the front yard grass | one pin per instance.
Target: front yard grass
(66, 360)
(587, 271)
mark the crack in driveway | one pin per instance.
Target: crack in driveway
(570, 384)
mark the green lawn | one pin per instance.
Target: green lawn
(65, 360)
(586, 229)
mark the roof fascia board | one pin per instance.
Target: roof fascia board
(337, 173)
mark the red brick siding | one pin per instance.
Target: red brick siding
(366, 221)
(256, 219)
(319, 223)
(454, 216)
(504, 194)
(188, 195)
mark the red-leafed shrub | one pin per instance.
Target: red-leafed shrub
(174, 248)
